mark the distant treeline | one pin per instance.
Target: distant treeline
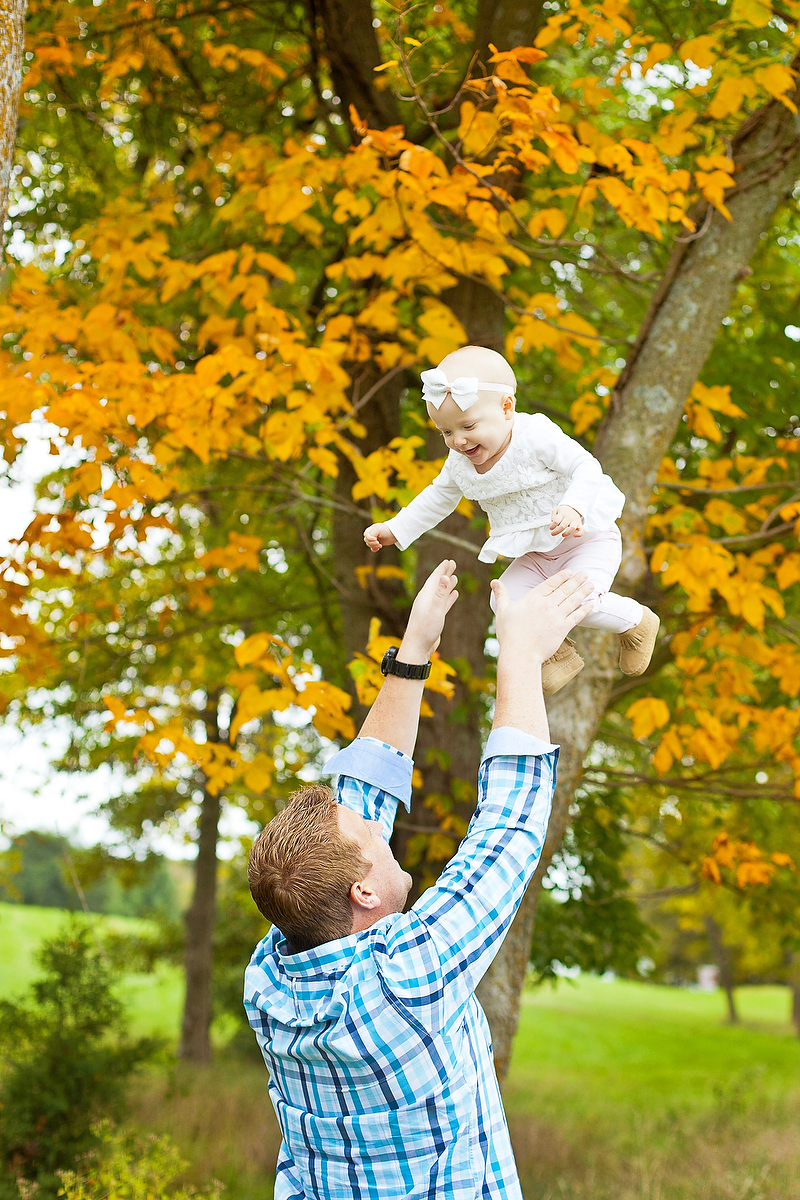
(38, 869)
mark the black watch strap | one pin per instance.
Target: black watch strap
(390, 666)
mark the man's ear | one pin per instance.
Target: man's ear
(363, 896)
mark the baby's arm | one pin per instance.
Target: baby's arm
(568, 457)
(425, 511)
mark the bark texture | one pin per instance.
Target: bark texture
(198, 958)
(351, 48)
(676, 338)
(12, 46)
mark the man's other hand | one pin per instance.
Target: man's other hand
(433, 602)
(534, 626)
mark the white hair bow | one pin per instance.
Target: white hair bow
(464, 390)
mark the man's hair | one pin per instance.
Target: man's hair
(301, 870)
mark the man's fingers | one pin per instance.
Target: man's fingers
(500, 596)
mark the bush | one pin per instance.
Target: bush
(136, 1168)
(66, 1060)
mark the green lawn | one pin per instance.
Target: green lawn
(590, 1045)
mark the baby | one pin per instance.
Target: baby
(550, 506)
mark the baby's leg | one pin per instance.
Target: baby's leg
(599, 555)
(524, 574)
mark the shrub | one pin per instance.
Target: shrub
(65, 1062)
(136, 1168)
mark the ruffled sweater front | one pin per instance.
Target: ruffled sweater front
(541, 469)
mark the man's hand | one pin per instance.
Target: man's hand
(533, 627)
(563, 520)
(433, 602)
(379, 535)
(394, 716)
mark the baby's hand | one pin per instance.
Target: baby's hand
(564, 520)
(379, 535)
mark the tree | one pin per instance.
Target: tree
(246, 304)
(12, 44)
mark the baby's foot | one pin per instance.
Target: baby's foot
(637, 645)
(561, 667)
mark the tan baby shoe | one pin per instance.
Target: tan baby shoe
(637, 645)
(561, 667)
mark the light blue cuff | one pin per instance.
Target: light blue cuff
(507, 740)
(375, 763)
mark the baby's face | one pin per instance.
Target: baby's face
(481, 433)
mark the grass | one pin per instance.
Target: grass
(617, 1091)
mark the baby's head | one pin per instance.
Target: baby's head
(482, 430)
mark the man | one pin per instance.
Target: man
(379, 1054)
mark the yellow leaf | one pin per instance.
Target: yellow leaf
(700, 50)
(552, 219)
(753, 12)
(656, 54)
(730, 94)
(647, 715)
(476, 129)
(255, 647)
(115, 707)
(445, 331)
(788, 572)
(726, 515)
(258, 775)
(777, 79)
(326, 460)
(385, 66)
(275, 267)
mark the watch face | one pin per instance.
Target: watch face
(387, 660)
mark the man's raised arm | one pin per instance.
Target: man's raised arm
(469, 910)
(381, 755)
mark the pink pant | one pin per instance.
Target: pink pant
(599, 555)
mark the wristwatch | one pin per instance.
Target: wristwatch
(390, 666)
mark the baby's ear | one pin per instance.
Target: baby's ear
(508, 405)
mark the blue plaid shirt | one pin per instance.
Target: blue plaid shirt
(379, 1054)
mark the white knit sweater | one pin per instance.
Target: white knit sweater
(541, 469)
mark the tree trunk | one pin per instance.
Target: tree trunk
(198, 958)
(12, 46)
(722, 958)
(352, 51)
(676, 338)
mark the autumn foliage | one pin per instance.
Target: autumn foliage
(234, 293)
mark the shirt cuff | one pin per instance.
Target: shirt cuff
(508, 740)
(377, 764)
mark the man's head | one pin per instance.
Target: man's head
(320, 871)
(482, 431)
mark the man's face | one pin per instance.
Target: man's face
(481, 432)
(386, 878)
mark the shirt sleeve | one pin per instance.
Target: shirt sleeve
(468, 912)
(432, 505)
(563, 454)
(371, 777)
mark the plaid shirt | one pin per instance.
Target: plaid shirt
(379, 1054)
